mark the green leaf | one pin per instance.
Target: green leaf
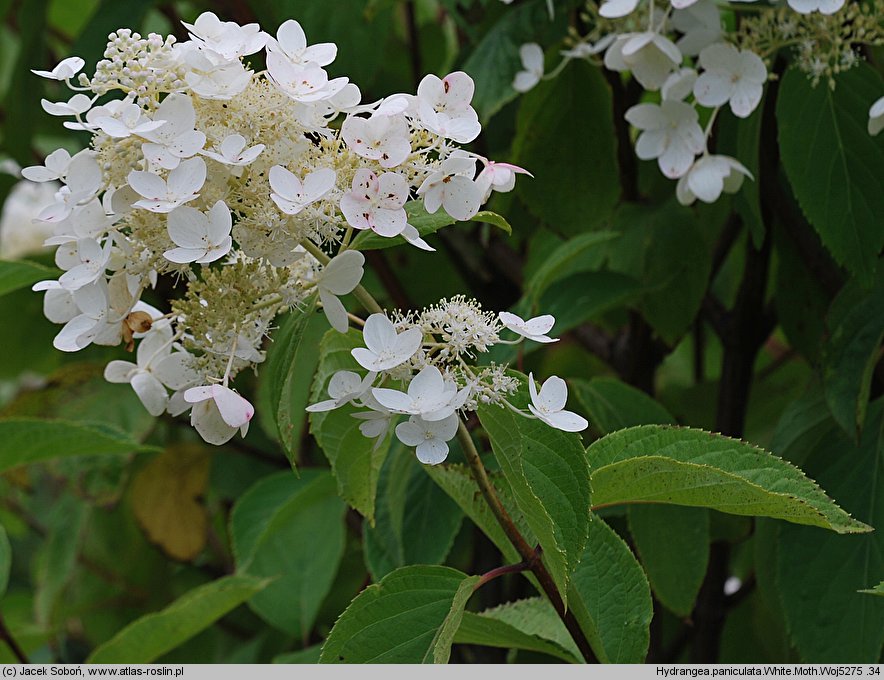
(834, 166)
(665, 249)
(415, 523)
(586, 296)
(308, 655)
(660, 464)
(151, 636)
(818, 573)
(426, 224)
(31, 440)
(458, 483)
(530, 624)
(291, 531)
(856, 328)
(5, 560)
(21, 105)
(495, 60)
(57, 558)
(549, 477)
(110, 15)
(355, 459)
(610, 598)
(21, 273)
(613, 405)
(574, 255)
(673, 544)
(291, 362)
(575, 185)
(411, 616)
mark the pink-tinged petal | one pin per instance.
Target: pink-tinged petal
(540, 325)
(151, 393)
(119, 371)
(235, 410)
(207, 420)
(432, 452)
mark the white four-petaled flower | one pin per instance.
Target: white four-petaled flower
(218, 412)
(429, 395)
(343, 388)
(384, 348)
(292, 195)
(548, 405)
(730, 75)
(429, 437)
(452, 187)
(531, 55)
(162, 196)
(671, 133)
(650, 57)
(384, 139)
(376, 203)
(708, 177)
(200, 237)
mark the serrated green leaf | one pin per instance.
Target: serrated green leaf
(355, 459)
(574, 255)
(818, 574)
(610, 598)
(415, 521)
(530, 624)
(568, 162)
(411, 616)
(613, 405)
(673, 544)
(291, 362)
(683, 466)
(151, 636)
(549, 477)
(291, 531)
(832, 163)
(31, 440)
(856, 328)
(21, 273)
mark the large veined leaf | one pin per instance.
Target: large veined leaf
(415, 521)
(818, 574)
(574, 255)
(568, 162)
(151, 636)
(355, 459)
(291, 531)
(411, 616)
(291, 361)
(31, 440)
(20, 273)
(834, 166)
(610, 598)
(660, 464)
(460, 486)
(549, 477)
(856, 328)
(495, 61)
(673, 544)
(530, 624)
(426, 224)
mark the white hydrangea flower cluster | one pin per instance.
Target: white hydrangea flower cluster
(428, 356)
(236, 183)
(680, 49)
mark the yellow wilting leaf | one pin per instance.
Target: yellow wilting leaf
(165, 500)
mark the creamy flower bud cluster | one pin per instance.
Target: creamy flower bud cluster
(681, 50)
(421, 366)
(237, 184)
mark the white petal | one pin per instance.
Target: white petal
(151, 392)
(432, 452)
(334, 311)
(235, 410)
(553, 395)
